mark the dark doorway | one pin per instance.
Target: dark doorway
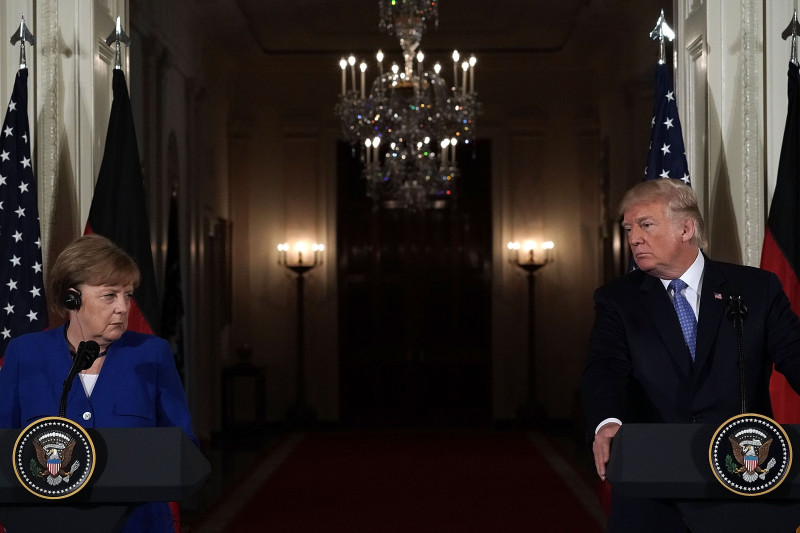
(414, 293)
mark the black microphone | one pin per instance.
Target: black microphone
(87, 352)
(736, 310)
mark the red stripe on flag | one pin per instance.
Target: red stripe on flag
(785, 401)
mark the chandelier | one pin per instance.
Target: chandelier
(409, 122)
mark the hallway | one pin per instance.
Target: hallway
(399, 480)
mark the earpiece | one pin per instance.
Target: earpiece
(72, 299)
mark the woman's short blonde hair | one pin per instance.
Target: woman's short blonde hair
(91, 260)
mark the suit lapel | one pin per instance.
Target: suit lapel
(712, 308)
(665, 319)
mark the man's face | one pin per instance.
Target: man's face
(658, 243)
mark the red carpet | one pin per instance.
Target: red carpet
(414, 482)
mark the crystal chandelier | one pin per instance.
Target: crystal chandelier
(409, 122)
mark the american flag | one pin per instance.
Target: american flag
(666, 157)
(23, 307)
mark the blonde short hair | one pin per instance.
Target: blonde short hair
(92, 260)
(678, 197)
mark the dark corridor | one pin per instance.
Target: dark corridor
(414, 292)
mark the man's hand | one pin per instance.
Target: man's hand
(601, 447)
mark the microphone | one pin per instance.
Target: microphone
(87, 352)
(736, 310)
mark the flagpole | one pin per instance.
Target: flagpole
(22, 35)
(792, 29)
(660, 32)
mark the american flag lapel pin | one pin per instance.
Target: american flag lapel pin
(717, 296)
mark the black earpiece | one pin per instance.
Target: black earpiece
(72, 299)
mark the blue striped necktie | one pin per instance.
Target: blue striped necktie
(685, 314)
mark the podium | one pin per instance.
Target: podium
(134, 465)
(670, 461)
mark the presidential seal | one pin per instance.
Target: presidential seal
(750, 454)
(53, 458)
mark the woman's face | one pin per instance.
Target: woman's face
(103, 315)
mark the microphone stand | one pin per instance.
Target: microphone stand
(84, 357)
(737, 311)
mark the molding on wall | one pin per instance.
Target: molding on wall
(752, 87)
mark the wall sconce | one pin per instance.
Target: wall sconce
(533, 258)
(300, 412)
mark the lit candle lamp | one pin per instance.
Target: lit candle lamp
(548, 246)
(472, 62)
(363, 68)
(464, 68)
(455, 70)
(352, 62)
(375, 142)
(379, 57)
(283, 248)
(343, 64)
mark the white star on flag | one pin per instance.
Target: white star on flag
(20, 253)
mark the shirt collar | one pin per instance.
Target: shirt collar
(694, 274)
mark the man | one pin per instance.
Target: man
(664, 351)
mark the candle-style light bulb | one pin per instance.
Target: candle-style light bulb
(363, 68)
(437, 68)
(455, 69)
(472, 62)
(352, 62)
(343, 64)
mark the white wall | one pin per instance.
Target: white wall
(732, 66)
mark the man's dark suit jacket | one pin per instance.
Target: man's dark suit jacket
(639, 368)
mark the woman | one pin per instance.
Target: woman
(132, 383)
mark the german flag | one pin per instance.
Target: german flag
(119, 209)
(781, 251)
